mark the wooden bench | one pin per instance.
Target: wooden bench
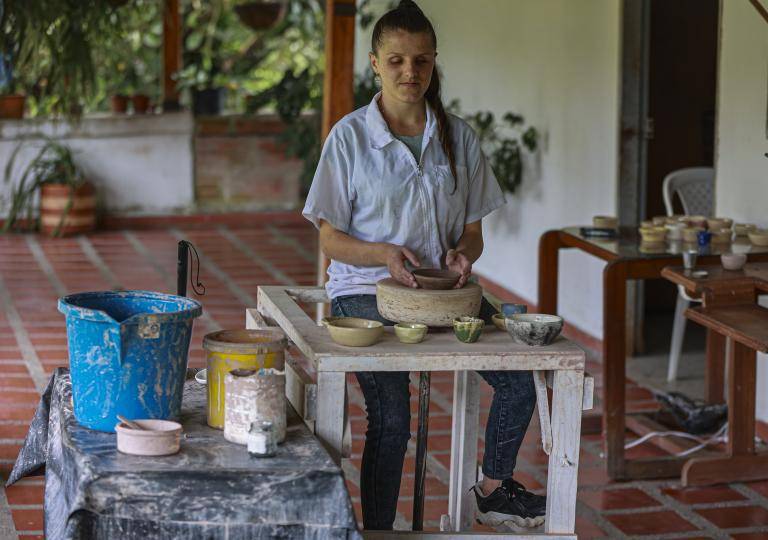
(747, 327)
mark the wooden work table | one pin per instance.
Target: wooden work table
(730, 311)
(564, 361)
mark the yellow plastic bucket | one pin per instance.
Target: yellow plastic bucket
(238, 349)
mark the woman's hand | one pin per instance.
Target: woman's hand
(458, 262)
(396, 257)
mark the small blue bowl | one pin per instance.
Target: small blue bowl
(513, 309)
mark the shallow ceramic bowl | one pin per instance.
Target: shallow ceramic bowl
(733, 261)
(758, 237)
(605, 222)
(355, 332)
(690, 234)
(659, 221)
(498, 321)
(741, 229)
(721, 236)
(534, 329)
(468, 329)
(696, 221)
(159, 438)
(653, 234)
(647, 224)
(715, 224)
(410, 332)
(436, 278)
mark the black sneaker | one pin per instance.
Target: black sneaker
(509, 504)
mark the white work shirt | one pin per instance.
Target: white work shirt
(369, 186)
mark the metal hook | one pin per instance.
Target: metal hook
(184, 260)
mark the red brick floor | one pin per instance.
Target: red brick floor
(35, 271)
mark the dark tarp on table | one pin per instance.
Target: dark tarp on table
(211, 489)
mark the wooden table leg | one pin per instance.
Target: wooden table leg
(466, 415)
(421, 451)
(741, 464)
(715, 367)
(562, 474)
(549, 249)
(329, 425)
(614, 365)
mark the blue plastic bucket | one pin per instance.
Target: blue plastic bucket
(127, 354)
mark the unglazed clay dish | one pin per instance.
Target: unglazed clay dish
(436, 278)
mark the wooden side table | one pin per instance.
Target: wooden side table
(729, 311)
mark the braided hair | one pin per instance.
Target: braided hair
(409, 17)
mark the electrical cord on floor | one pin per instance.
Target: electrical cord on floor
(719, 436)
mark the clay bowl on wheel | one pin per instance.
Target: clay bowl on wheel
(534, 329)
(354, 332)
(436, 278)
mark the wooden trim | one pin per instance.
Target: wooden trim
(171, 53)
(338, 84)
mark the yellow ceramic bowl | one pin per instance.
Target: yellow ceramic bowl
(759, 237)
(410, 332)
(741, 229)
(722, 236)
(605, 222)
(653, 234)
(354, 332)
(690, 234)
(498, 321)
(715, 224)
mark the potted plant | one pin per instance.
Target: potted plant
(67, 201)
(261, 14)
(48, 49)
(15, 25)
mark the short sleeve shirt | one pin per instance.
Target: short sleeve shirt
(369, 185)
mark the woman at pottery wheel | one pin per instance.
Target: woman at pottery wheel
(401, 183)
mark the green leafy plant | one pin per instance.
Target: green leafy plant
(52, 164)
(503, 142)
(56, 43)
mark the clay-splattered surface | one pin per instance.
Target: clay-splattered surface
(210, 489)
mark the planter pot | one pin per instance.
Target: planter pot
(207, 102)
(140, 103)
(12, 106)
(119, 104)
(260, 15)
(65, 210)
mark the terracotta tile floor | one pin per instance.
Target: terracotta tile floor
(35, 271)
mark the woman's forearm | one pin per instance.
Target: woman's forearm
(344, 248)
(471, 242)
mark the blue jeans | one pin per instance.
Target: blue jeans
(387, 401)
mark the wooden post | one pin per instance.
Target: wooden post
(171, 53)
(338, 84)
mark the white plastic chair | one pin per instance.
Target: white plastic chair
(695, 188)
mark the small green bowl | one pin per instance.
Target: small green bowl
(410, 332)
(468, 329)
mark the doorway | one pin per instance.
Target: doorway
(668, 104)
(682, 84)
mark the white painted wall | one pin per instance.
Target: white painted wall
(556, 62)
(139, 164)
(741, 166)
